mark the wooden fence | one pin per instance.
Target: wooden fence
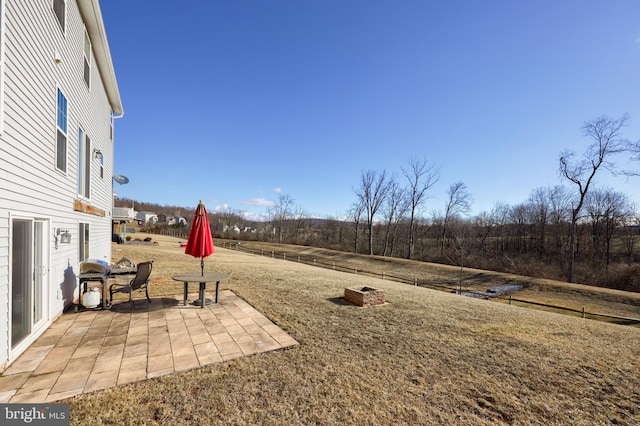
(312, 260)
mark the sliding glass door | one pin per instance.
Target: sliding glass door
(28, 277)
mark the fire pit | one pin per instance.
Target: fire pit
(364, 296)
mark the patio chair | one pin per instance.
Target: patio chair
(138, 283)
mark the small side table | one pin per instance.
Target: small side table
(203, 279)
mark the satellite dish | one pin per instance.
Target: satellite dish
(121, 179)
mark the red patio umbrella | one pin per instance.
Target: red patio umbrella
(200, 243)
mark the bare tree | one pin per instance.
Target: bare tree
(394, 209)
(372, 192)
(606, 141)
(458, 203)
(607, 211)
(355, 214)
(421, 176)
(281, 213)
(540, 212)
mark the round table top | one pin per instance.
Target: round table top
(197, 277)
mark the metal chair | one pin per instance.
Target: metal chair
(138, 283)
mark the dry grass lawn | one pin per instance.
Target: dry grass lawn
(427, 357)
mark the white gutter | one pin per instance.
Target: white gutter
(92, 17)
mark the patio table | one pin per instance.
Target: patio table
(203, 279)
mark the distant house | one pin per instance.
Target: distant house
(121, 216)
(146, 217)
(162, 218)
(177, 220)
(59, 100)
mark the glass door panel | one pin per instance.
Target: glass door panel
(21, 280)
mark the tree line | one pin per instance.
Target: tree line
(575, 231)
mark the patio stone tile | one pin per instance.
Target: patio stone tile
(216, 329)
(81, 365)
(6, 396)
(185, 361)
(246, 321)
(228, 322)
(181, 350)
(135, 350)
(102, 380)
(86, 351)
(207, 353)
(69, 341)
(134, 363)
(137, 339)
(227, 348)
(160, 363)
(253, 329)
(56, 359)
(63, 395)
(29, 360)
(115, 340)
(200, 338)
(159, 346)
(107, 364)
(70, 381)
(40, 382)
(39, 395)
(235, 330)
(231, 356)
(13, 381)
(131, 376)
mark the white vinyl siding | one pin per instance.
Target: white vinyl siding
(31, 185)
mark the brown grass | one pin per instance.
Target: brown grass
(427, 357)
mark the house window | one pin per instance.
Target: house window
(84, 164)
(87, 59)
(61, 133)
(83, 241)
(102, 167)
(60, 9)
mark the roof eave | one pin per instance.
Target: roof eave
(92, 17)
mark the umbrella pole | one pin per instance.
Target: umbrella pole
(202, 265)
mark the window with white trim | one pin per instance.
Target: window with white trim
(83, 241)
(60, 10)
(84, 164)
(61, 133)
(87, 59)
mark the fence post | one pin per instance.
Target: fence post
(333, 267)
(272, 255)
(355, 270)
(415, 281)
(510, 297)
(383, 275)
(314, 262)
(583, 316)
(284, 256)
(298, 258)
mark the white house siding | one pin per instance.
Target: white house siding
(30, 184)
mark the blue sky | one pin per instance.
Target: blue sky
(237, 102)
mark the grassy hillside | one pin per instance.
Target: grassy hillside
(427, 357)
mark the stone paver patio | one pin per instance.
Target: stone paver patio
(96, 350)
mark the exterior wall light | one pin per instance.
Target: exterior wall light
(62, 236)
